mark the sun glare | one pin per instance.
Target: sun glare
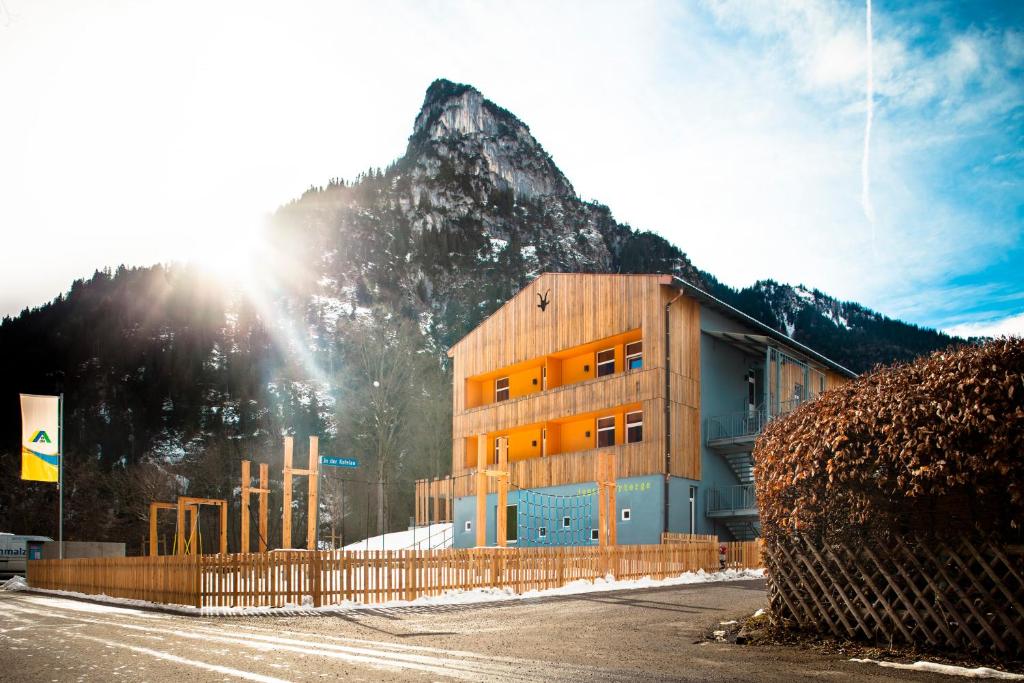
(230, 251)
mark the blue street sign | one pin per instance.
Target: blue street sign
(332, 461)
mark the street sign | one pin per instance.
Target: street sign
(332, 461)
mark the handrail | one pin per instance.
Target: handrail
(750, 422)
(731, 498)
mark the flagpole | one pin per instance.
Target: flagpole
(60, 478)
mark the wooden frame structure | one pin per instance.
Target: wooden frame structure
(154, 509)
(184, 503)
(247, 490)
(606, 504)
(312, 473)
(501, 474)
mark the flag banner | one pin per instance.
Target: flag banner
(40, 450)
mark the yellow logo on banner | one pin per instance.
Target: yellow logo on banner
(40, 457)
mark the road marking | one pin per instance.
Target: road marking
(377, 654)
(366, 656)
(216, 668)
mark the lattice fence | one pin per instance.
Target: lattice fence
(965, 594)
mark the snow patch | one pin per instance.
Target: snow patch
(947, 669)
(15, 583)
(455, 597)
(431, 537)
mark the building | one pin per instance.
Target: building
(672, 381)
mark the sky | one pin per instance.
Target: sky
(141, 132)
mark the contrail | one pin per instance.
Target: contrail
(865, 179)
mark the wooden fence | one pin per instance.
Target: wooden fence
(172, 579)
(744, 554)
(962, 594)
(738, 554)
(335, 577)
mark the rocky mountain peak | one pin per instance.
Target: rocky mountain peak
(472, 135)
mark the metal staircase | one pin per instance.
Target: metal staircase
(742, 465)
(743, 530)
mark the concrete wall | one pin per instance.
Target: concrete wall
(723, 369)
(642, 496)
(73, 549)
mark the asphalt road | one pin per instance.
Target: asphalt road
(632, 635)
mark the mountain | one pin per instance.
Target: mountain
(171, 378)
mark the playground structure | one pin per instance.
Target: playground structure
(188, 541)
(188, 507)
(154, 509)
(247, 490)
(605, 476)
(312, 474)
(606, 518)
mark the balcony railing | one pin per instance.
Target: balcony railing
(732, 501)
(745, 422)
(736, 425)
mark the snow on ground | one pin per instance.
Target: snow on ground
(432, 537)
(949, 670)
(455, 597)
(15, 583)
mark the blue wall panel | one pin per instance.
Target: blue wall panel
(545, 509)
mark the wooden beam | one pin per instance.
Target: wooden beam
(612, 503)
(501, 514)
(481, 491)
(264, 492)
(244, 533)
(193, 534)
(313, 474)
(224, 529)
(481, 510)
(152, 530)
(437, 502)
(192, 500)
(286, 529)
(179, 542)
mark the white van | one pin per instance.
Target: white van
(13, 552)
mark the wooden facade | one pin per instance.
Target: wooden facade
(584, 313)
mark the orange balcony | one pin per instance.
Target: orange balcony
(605, 357)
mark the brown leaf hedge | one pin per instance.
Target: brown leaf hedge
(931, 446)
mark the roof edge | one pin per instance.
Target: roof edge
(696, 292)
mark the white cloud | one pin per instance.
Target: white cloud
(1009, 326)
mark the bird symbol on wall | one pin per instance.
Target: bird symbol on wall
(543, 301)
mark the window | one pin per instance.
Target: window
(501, 389)
(512, 523)
(798, 392)
(605, 432)
(542, 532)
(634, 427)
(566, 522)
(498, 440)
(693, 509)
(626, 514)
(593, 534)
(605, 362)
(469, 526)
(635, 355)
